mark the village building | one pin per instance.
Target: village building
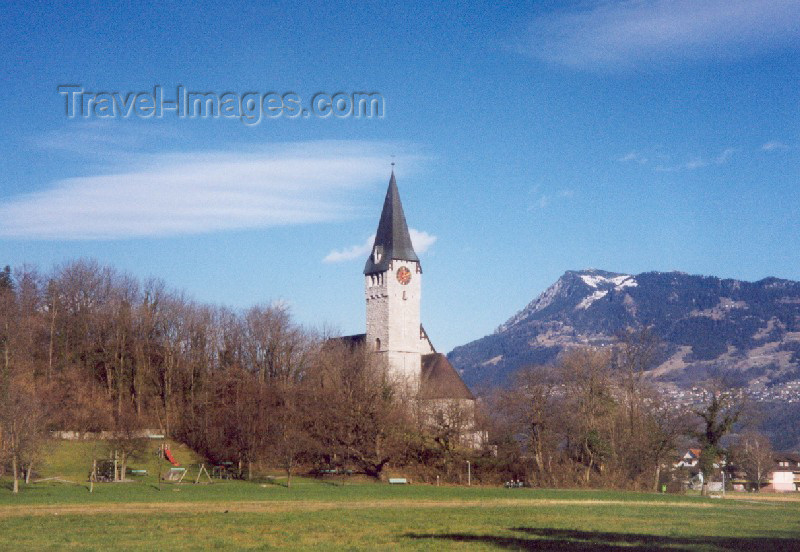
(785, 473)
(690, 459)
(782, 476)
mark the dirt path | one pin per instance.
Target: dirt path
(759, 498)
(308, 506)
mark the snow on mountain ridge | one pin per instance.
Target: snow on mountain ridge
(620, 281)
(595, 279)
(630, 281)
(587, 301)
(590, 277)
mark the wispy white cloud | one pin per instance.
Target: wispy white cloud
(698, 162)
(694, 163)
(633, 157)
(350, 253)
(544, 200)
(724, 156)
(198, 192)
(422, 241)
(634, 33)
(774, 145)
(662, 162)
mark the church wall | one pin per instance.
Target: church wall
(404, 309)
(405, 366)
(393, 317)
(456, 412)
(377, 312)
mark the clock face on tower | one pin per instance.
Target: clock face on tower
(403, 275)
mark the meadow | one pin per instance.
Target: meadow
(351, 514)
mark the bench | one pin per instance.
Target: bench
(398, 481)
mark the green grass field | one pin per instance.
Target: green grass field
(315, 514)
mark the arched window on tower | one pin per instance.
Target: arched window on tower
(377, 343)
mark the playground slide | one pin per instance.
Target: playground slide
(169, 457)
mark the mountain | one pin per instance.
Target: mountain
(747, 331)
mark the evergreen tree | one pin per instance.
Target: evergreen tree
(722, 410)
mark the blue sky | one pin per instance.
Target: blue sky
(530, 139)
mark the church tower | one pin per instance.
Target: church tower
(393, 278)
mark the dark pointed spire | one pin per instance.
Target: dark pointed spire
(392, 241)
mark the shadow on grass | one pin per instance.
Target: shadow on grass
(329, 482)
(262, 480)
(39, 486)
(279, 481)
(573, 540)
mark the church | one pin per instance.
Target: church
(393, 293)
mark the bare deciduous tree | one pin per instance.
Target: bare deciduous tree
(21, 430)
(586, 377)
(753, 453)
(527, 408)
(356, 408)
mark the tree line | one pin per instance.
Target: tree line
(595, 418)
(86, 348)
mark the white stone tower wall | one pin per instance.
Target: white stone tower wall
(393, 317)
